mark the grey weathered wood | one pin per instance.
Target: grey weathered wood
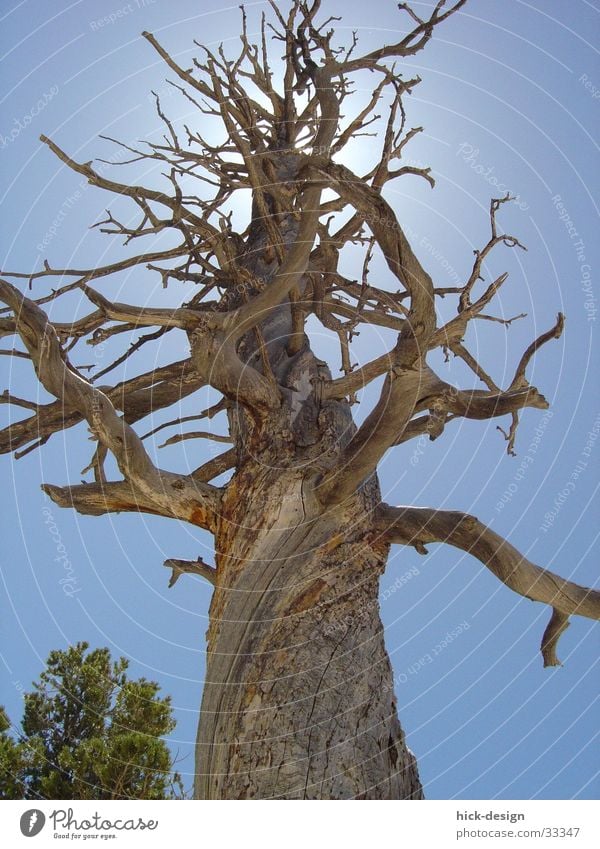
(298, 701)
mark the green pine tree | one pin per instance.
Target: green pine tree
(89, 732)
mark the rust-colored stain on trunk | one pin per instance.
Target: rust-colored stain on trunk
(308, 598)
(333, 543)
(199, 517)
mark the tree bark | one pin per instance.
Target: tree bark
(298, 701)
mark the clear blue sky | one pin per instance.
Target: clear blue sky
(510, 95)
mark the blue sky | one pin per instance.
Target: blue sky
(510, 97)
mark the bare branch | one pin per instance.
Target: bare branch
(191, 567)
(176, 497)
(201, 225)
(558, 624)
(381, 429)
(197, 434)
(136, 398)
(297, 257)
(412, 43)
(398, 254)
(423, 525)
(209, 413)
(169, 493)
(479, 403)
(7, 398)
(143, 316)
(555, 332)
(66, 384)
(215, 467)
(343, 387)
(98, 499)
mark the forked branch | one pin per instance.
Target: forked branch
(168, 493)
(419, 526)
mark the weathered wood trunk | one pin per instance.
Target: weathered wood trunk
(298, 700)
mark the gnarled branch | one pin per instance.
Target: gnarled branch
(419, 526)
(169, 493)
(190, 567)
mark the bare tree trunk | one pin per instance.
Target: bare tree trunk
(298, 701)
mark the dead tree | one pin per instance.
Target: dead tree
(295, 706)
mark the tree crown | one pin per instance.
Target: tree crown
(89, 732)
(247, 298)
